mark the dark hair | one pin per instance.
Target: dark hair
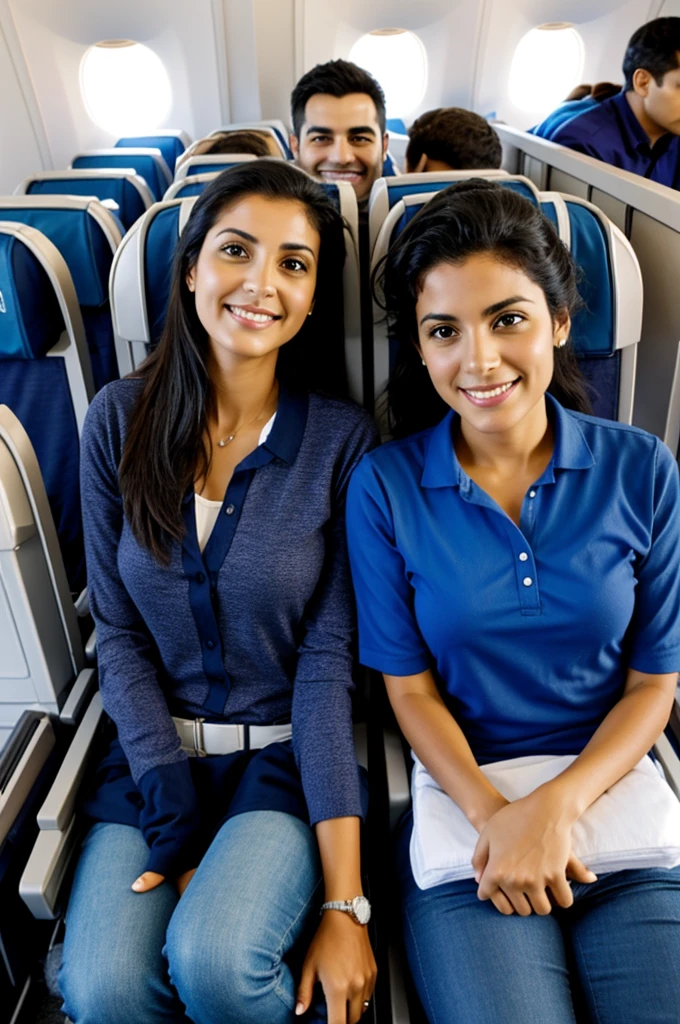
(472, 216)
(165, 448)
(457, 137)
(579, 92)
(604, 91)
(238, 142)
(335, 78)
(654, 48)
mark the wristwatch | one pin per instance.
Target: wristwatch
(359, 909)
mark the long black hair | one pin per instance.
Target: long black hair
(472, 216)
(165, 450)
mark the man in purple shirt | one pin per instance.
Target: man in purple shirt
(637, 130)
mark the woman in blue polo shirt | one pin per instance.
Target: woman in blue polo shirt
(213, 485)
(517, 569)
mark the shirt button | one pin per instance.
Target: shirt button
(211, 643)
(200, 577)
(229, 510)
(523, 556)
(532, 494)
(527, 581)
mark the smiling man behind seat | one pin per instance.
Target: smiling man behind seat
(338, 114)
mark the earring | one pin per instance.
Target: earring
(310, 312)
(562, 343)
(423, 362)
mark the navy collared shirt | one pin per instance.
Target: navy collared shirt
(611, 132)
(530, 629)
(257, 629)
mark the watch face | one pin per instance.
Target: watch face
(362, 909)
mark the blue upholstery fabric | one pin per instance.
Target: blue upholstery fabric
(288, 153)
(88, 255)
(30, 318)
(388, 170)
(190, 188)
(215, 168)
(159, 251)
(395, 124)
(38, 394)
(130, 203)
(170, 146)
(145, 166)
(397, 192)
(564, 113)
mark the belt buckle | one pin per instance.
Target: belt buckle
(199, 744)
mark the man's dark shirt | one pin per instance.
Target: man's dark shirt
(612, 133)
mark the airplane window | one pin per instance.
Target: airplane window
(398, 60)
(125, 86)
(547, 64)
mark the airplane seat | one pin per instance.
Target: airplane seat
(212, 162)
(172, 142)
(274, 127)
(672, 431)
(147, 162)
(87, 235)
(125, 189)
(390, 169)
(142, 269)
(45, 375)
(606, 331)
(185, 188)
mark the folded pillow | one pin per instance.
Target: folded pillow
(634, 824)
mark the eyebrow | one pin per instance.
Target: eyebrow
(489, 311)
(286, 246)
(362, 129)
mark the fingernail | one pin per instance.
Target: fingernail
(137, 885)
(300, 1008)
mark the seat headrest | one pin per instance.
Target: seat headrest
(170, 145)
(31, 321)
(131, 204)
(79, 237)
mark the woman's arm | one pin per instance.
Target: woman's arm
(340, 956)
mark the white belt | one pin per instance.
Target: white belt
(200, 738)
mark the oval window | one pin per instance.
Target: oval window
(125, 87)
(398, 61)
(546, 65)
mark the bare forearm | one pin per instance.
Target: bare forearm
(339, 846)
(439, 742)
(624, 737)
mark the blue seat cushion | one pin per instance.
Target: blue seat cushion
(130, 203)
(170, 146)
(30, 318)
(159, 251)
(400, 191)
(145, 166)
(191, 188)
(38, 394)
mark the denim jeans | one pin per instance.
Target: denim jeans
(228, 952)
(611, 958)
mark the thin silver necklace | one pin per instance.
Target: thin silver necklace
(224, 441)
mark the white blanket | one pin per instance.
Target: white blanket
(635, 824)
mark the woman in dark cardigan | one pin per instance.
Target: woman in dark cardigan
(213, 487)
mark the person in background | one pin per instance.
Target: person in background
(338, 116)
(246, 140)
(213, 484)
(452, 139)
(516, 563)
(637, 129)
(573, 106)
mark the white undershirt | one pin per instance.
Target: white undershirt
(208, 511)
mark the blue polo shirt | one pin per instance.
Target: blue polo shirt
(611, 132)
(530, 630)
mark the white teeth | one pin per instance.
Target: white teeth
(490, 394)
(259, 318)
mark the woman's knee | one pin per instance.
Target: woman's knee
(120, 989)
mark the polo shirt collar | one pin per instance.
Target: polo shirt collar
(442, 468)
(285, 437)
(638, 137)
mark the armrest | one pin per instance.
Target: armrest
(81, 692)
(42, 881)
(398, 785)
(91, 649)
(82, 604)
(57, 810)
(23, 759)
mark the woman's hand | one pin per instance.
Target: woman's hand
(151, 879)
(524, 857)
(341, 958)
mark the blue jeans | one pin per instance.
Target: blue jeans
(225, 953)
(611, 958)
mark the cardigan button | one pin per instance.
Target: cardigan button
(210, 644)
(200, 577)
(229, 510)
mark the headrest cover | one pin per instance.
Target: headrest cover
(30, 318)
(121, 190)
